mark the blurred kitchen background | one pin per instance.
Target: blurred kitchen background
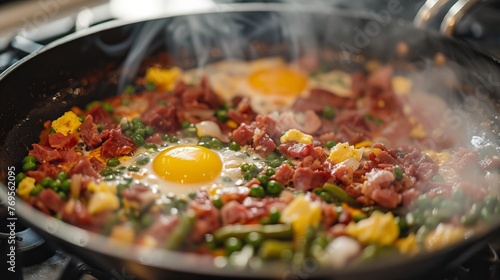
(29, 24)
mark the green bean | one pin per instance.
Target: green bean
(277, 231)
(340, 194)
(180, 233)
(271, 249)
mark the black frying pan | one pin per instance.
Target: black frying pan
(97, 63)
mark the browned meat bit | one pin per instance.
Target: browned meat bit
(102, 117)
(45, 154)
(89, 133)
(162, 119)
(84, 166)
(305, 179)
(243, 112)
(378, 187)
(117, 145)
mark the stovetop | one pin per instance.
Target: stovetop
(40, 261)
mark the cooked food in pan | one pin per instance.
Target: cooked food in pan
(267, 159)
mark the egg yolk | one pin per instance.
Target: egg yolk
(187, 164)
(282, 81)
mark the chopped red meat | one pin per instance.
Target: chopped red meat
(162, 119)
(117, 145)
(378, 188)
(234, 213)
(60, 142)
(45, 154)
(44, 170)
(84, 167)
(305, 179)
(89, 133)
(51, 200)
(243, 112)
(262, 143)
(243, 134)
(284, 174)
(101, 116)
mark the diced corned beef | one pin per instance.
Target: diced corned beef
(354, 190)
(318, 99)
(133, 193)
(60, 142)
(243, 112)
(155, 138)
(117, 145)
(243, 134)
(352, 127)
(207, 218)
(44, 170)
(284, 174)
(161, 118)
(378, 188)
(75, 212)
(358, 84)
(269, 125)
(409, 196)
(209, 97)
(308, 122)
(262, 143)
(45, 154)
(385, 157)
(329, 215)
(466, 164)
(305, 179)
(84, 167)
(419, 165)
(101, 116)
(237, 193)
(68, 156)
(295, 150)
(50, 199)
(490, 163)
(234, 213)
(161, 227)
(344, 174)
(89, 133)
(97, 164)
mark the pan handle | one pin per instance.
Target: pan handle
(432, 9)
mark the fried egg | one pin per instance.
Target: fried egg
(184, 167)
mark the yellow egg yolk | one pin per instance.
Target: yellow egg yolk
(281, 81)
(187, 164)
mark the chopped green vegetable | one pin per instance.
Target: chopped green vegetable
(337, 192)
(180, 233)
(277, 231)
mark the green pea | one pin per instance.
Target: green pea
(45, 182)
(54, 184)
(263, 179)
(129, 133)
(165, 137)
(248, 176)
(149, 130)
(216, 144)
(146, 221)
(190, 131)
(244, 167)
(270, 172)
(140, 131)
(120, 187)
(431, 221)
(257, 191)
(134, 168)
(436, 201)
(27, 159)
(233, 146)
(124, 126)
(275, 163)
(142, 159)
(233, 244)
(255, 239)
(65, 185)
(106, 172)
(29, 166)
(112, 162)
(399, 173)
(330, 144)
(20, 176)
(62, 195)
(274, 187)
(472, 216)
(108, 107)
(217, 202)
(36, 190)
(136, 121)
(253, 168)
(174, 139)
(186, 124)
(424, 202)
(272, 156)
(274, 216)
(489, 202)
(486, 214)
(151, 146)
(328, 113)
(138, 139)
(221, 115)
(61, 176)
